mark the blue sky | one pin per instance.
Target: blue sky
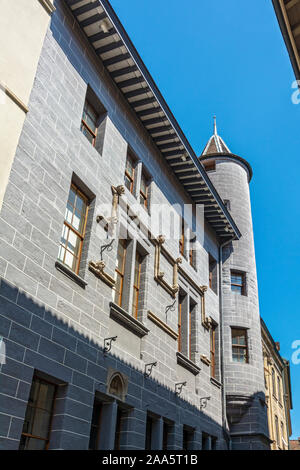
(228, 58)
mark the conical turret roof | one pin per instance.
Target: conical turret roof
(215, 144)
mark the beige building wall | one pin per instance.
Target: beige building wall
(23, 25)
(277, 393)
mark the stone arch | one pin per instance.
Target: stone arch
(117, 386)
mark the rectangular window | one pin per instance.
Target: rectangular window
(238, 282)
(277, 431)
(144, 191)
(89, 122)
(279, 389)
(136, 284)
(38, 417)
(213, 351)
(166, 435)
(129, 173)
(149, 429)
(120, 271)
(192, 253)
(282, 434)
(95, 426)
(120, 415)
(239, 345)
(213, 274)
(187, 438)
(191, 321)
(186, 324)
(74, 229)
(180, 314)
(273, 383)
(182, 239)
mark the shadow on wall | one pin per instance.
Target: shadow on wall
(39, 343)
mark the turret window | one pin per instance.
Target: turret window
(239, 345)
(238, 282)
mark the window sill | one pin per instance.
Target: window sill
(187, 363)
(215, 382)
(128, 321)
(70, 274)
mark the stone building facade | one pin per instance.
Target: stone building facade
(128, 300)
(277, 391)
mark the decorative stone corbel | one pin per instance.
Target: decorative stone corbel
(111, 222)
(205, 359)
(98, 269)
(159, 275)
(206, 321)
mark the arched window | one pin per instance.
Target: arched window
(116, 386)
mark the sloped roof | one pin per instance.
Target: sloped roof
(112, 45)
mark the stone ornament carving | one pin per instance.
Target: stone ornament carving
(109, 223)
(159, 275)
(98, 269)
(206, 321)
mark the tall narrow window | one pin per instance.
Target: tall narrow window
(213, 273)
(120, 270)
(166, 434)
(37, 423)
(148, 437)
(192, 252)
(213, 351)
(129, 173)
(136, 284)
(187, 438)
(282, 434)
(74, 229)
(277, 431)
(120, 415)
(89, 122)
(238, 282)
(182, 238)
(274, 383)
(239, 345)
(180, 312)
(279, 389)
(95, 426)
(144, 191)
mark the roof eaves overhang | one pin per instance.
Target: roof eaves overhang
(287, 33)
(126, 68)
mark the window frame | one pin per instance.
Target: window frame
(32, 436)
(242, 286)
(182, 238)
(121, 273)
(213, 351)
(130, 158)
(85, 124)
(145, 196)
(81, 236)
(243, 347)
(136, 288)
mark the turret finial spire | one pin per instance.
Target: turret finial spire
(215, 125)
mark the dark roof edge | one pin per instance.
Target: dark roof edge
(286, 37)
(230, 155)
(130, 46)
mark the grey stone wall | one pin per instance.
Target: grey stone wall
(50, 323)
(244, 383)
